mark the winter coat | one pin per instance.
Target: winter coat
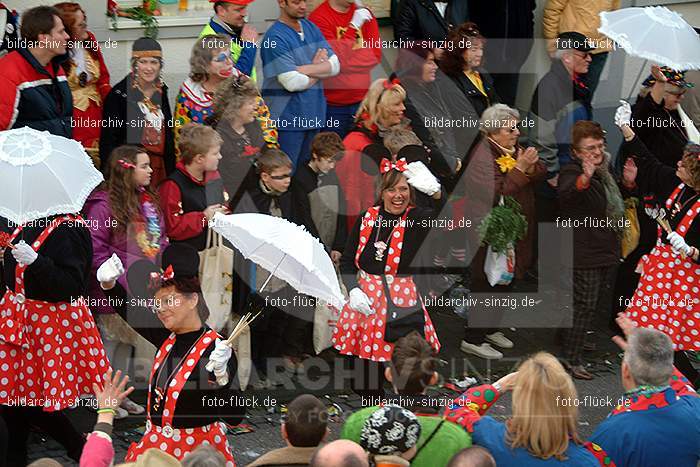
(485, 183)
(558, 102)
(577, 15)
(120, 116)
(479, 102)
(106, 240)
(508, 25)
(419, 20)
(594, 246)
(33, 95)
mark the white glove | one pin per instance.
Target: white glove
(110, 270)
(360, 17)
(218, 361)
(678, 243)
(623, 114)
(23, 253)
(360, 302)
(421, 178)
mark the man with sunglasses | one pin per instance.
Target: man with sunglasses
(560, 100)
(582, 16)
(230, 20)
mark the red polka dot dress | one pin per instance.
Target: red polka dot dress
(179, 441)
(363, 336)
(50, 353)
(668, 295)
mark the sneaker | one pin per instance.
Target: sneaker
(497, 338)
(120, 413)
(132, 407)
(484, 350)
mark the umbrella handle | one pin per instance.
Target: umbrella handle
(636, 80)
(272, 273)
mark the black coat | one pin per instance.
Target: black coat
(61, 272)
(120, 116)
(420, 20)
(478, 101)
(666, 141)
(195, 407)
(594, 247)
(508, 25)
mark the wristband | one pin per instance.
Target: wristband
(107, 410)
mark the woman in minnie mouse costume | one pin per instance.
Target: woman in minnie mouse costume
(378, 261)
(668, 295)
(192, 366)
(50, 349)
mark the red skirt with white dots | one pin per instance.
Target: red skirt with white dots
(50, 353)
(668, 297)
(363, 336)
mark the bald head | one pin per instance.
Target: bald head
(340, 453)
(474, 456)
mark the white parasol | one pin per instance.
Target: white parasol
(654, 33)
(285, 249)
(42, 175)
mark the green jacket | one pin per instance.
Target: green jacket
(443, 445)
(243, 56)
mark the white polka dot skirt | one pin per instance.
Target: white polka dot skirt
(668, 297)
(363, 336)
(50, 353)
(180, 442)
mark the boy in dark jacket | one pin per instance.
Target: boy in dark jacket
(321, 199)
(283, 329)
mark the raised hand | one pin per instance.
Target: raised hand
(629, 172)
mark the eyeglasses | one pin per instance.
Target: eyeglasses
(222, 57)
(583, 55)
(281, 177)
(166, 303)
(591, 148)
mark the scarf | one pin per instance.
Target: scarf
(615, 206)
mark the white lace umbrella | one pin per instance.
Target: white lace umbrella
(285, 249)
(42, 175)
(654, 33)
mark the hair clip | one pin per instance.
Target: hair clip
(386, 165)
(156, 279)
(391, 82)
(126, 164)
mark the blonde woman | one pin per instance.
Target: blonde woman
(380, 110)
(543, 427)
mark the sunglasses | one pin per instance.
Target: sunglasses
(222, 57)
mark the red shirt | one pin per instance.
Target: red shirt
(357, 51)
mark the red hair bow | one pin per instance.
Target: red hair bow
(386, 165)
(126, 164)
(157, 279)
(390, 83)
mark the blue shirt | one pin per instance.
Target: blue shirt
(655, 436)
(491, 434)
(283, 50)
